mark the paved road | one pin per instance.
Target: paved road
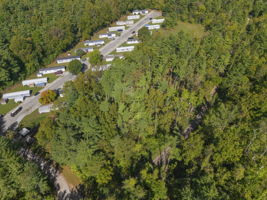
(111, 46)
(31, 103)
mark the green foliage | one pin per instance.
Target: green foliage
(144, 34)
(20, 179)
(80, 53)
(95, 57)
(75, 67)
(47, 97)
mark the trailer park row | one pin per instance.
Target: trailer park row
(88, 46)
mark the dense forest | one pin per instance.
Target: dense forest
(20, 179)
(34, 32)
(180, 118)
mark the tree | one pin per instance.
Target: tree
(95, 57)
(144, 34)
(75, 67)
(47, 97)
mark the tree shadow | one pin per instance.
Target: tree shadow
(76, 193)
(2, 123)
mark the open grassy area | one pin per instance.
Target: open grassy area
(7, 107)
(33, 119)
(70, 177)
(195, 30)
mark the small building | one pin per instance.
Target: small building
(67, 59)
(109, 58)
(24, 131)
(157, 21)
(153, 27)
(122, 23)
(125, 49)
(132, 41)
(36, 81)
(130, 17)
(85, 49)
(138, 12)
(45, 108)
(17, 96)
(108, 35)
(94, 42)
(116, 28)
(39, 75)
(52, 70)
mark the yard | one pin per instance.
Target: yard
(33, 119)
(7, 107)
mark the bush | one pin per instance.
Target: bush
(144, 34)
(80, 53)
(95, 57)
(47, 97)
(75, 67)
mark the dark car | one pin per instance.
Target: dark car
(14, 113)
(36, 93)
(133, 32)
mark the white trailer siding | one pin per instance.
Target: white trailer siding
(133, 17)
(94, 42)
(34, 81)
(16, 95)
(132, 41)
(67, 59)
(52, 70)
(125, 49)
(107, 35)
(152, 27)
(157, 21)
(116, 28)
(45, 108)
(128, 22)
(109, 58)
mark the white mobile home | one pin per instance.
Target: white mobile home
(152, 27)
(52, 70)
(133, 17)
(109, 58)
(157, 21)
(138, 12)
(17, 96)
(67, 59)
(108, 35)
(94, 42)
(116, 28)
(132, 41)
(101, 68)
(85, 49)
(36, 81)
(128, 22)
(125, 49)
(45, 108)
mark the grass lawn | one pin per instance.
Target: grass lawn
(70, 177)
(33, 119)
(7, 107)
(195, 30)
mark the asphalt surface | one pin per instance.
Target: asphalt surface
(30, 104)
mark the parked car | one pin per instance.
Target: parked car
(37, 93)
(14, 113)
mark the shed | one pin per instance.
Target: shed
(45, 108)
(132, 41)
(24, 131)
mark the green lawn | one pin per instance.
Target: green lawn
(195, 30)
(7, 107)
(33, 119)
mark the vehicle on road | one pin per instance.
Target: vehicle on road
(36, 93)
(15, 112)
